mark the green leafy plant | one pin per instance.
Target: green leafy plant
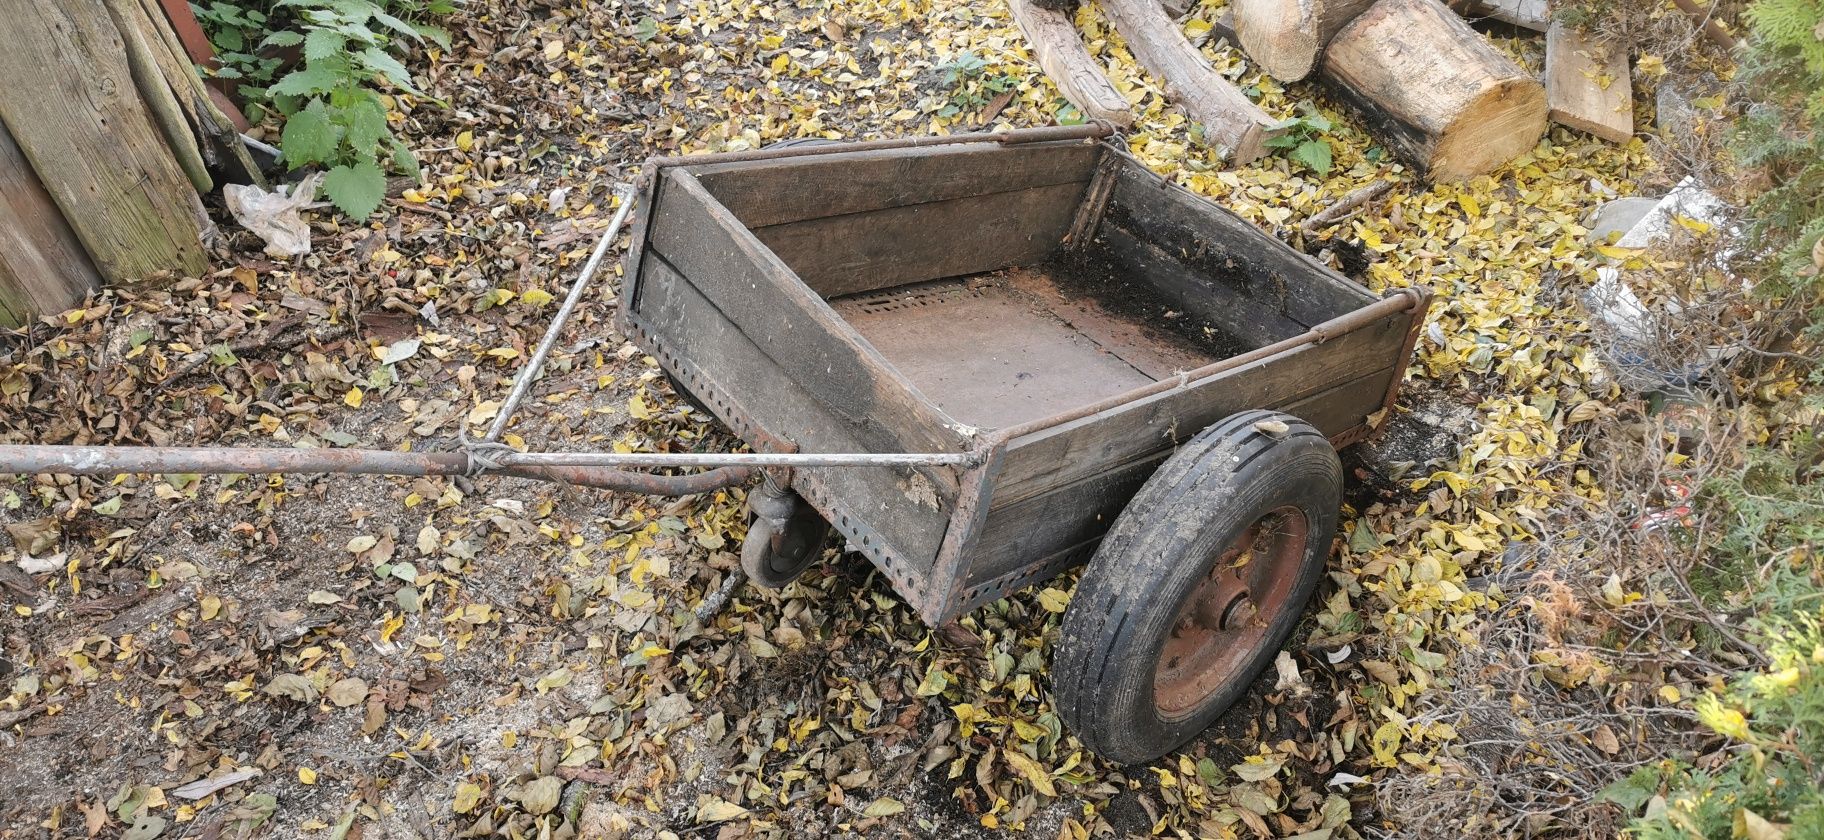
(331, 100)
(1302, 139)
(235, 31)
(334, 114)
(971, 87)
(1770, 786)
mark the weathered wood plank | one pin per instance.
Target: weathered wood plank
(791, 325)
(1053, 457)
(215, 124)
(859, 252)
(712, 355)
(43, 268)
(1234, 307)
(1587, 85)
(1228, 250)
(1058, 47)
(787, 190)
(795, 189)
(92, 143)
(1037, 526)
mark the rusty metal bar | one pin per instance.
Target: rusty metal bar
(1093, 130)
(535, 364)
(737, 459)
(1401, 301)
(113, 460)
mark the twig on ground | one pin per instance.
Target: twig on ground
(419, 208)
(1706, 18)
(1345, 205)
(717, 600)
(280, 335)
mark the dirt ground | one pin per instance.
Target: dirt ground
(371, 657)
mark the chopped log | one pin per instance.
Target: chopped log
(1434, 90)
(1060, 52)
(1229, 119)
(1526, 14)
(1285, 37)
(71, 103)
(1587, 85)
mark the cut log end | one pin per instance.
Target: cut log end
(1501, 124)
(1286, 37)
(1434, 90)
(1274, 34)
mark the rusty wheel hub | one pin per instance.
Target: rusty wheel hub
(1222, 624)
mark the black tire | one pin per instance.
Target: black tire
(1135, 600)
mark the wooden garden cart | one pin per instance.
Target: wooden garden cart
(983, 360)
(1132, 372)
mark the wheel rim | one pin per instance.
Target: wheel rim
(1222, 624)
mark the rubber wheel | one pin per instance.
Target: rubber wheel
(1197, 586)
(773, 556)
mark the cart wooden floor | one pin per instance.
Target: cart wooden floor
(999, 348)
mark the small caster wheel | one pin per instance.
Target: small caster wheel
(784, 538)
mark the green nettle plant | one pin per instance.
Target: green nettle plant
(1302, 139)
(970, 85)
(331, 99)
(235, 33)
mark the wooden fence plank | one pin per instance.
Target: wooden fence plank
(42, 265)
(92, 143)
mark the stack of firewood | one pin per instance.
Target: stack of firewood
(1424, 82)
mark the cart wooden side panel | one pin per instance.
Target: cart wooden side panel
(720, 312)
(869, 220)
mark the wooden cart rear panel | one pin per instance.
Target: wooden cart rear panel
(729, 287)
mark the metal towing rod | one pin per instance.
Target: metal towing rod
(607, 470)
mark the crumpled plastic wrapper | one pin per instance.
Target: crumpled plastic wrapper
(275, 216)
